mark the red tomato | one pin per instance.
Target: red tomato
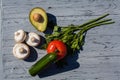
(59, 47)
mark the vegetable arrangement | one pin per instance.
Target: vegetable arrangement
(66, 40)
(61, 42)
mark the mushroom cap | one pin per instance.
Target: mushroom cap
(20, 36)
(21, 51)
(33, 39)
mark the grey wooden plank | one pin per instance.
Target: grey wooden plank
(98, 61)
(1, 64)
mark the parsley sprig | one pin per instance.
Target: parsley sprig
(74, 35)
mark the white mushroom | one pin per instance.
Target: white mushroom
(21, 51)
(20, 36)
(33, 39)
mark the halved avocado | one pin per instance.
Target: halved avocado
(38, 18)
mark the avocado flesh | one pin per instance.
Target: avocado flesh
(40, 26)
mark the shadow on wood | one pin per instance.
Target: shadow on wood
(52, 21)
(33, 55)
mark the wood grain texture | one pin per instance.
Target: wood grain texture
(1, 65)
(100, 59)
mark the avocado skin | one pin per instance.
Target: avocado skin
(39, 26)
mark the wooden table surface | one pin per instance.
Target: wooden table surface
(100, 58)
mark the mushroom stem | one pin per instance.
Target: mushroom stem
(17, 33)
(33, 39)
(22, 50)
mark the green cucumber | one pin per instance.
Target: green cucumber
(42, 63)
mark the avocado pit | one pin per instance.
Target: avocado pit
(38, 17)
